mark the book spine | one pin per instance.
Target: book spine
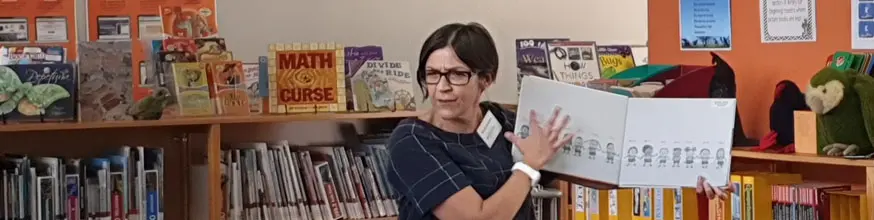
(116, 212)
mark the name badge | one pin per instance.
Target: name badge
(489, 129)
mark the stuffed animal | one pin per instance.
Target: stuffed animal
(844, 105)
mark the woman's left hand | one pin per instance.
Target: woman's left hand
(713, 192)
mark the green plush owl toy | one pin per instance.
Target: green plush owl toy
(844, 105)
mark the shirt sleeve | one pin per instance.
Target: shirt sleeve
(422, 171)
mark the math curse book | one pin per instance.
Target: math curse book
(306, 77)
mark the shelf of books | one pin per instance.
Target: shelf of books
(133, 122)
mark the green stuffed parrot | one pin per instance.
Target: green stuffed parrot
(152, 107)
(844, 105)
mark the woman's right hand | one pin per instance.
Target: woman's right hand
(542, 142)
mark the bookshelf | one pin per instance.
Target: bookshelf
(831, 166)
(186, 142)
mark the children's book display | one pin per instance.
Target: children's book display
(575, 62)
(633, 141)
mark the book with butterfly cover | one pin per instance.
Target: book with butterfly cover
(632, 142)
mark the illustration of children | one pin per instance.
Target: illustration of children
(663, 157)
(720, 158)
(632, 156)
(523, 131)
(611, 153)
(705, 157)
(594, 147)
(690, 156)
(678, 155)
(578, 146)
(647, 155)
(567, 147)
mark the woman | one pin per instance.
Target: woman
(440, 165)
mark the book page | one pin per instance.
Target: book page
(670, 142)
(597, 119)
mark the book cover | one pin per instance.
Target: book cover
(229, 86)
(634, 131)
(253, 81)
(212, 49)
(192, 89)
(614, 59)
(185, 22)
(383, 86)
(105, 81)
(33, 55)
(355, 58)
(306, 77)
(532, 58)
(574, 62)
(38, 92)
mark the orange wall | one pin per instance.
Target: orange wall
(758, 66)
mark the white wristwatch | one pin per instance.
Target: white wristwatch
(534, 175)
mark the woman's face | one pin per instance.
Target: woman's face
(452, 101)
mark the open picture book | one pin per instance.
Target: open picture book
(632, 142)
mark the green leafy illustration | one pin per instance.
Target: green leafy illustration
(38, 97)
(9, 83)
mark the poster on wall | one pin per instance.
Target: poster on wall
(862, 24)
(705, 25)
(785, 21)
(13, 30)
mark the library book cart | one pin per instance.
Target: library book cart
(186, 142)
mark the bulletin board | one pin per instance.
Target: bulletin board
(138, 21)
(47, 23)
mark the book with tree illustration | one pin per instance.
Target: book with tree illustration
(383, 86)
(38, 92)
(632, 142)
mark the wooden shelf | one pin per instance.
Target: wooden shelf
(204, 121)
(800, 158)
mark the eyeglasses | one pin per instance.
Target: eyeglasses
(457, 78)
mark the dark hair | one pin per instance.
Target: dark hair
(472, 44)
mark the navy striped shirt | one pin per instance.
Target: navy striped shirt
(428, 165)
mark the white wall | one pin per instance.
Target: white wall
(400, 26)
